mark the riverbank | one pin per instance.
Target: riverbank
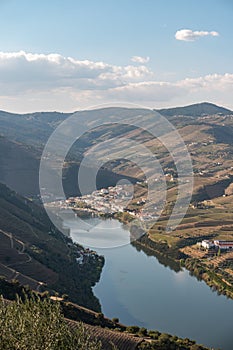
(146, 289)
(175, 256)
(102, 328)
(218, 277)
(215, 277)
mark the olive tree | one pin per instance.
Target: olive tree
(37, 324)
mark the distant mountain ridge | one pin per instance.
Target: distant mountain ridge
(24, 136)
(55, 117)
(34, 129)
(195, 110)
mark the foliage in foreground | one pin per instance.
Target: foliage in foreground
(39, 325)
(164, 341)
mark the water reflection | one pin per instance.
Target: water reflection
(151, 291)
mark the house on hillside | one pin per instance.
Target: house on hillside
(207, 244)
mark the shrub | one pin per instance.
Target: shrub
(132, 329)
(39, 325)
(143, 331)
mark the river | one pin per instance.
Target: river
(139, 290)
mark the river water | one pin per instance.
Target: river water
(139, 290)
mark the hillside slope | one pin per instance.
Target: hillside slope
(33, 251)
(111, 333)
(35, 128)
(19, 167)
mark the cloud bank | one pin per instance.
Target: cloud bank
(31, 82)
(189, 35)
(140, 59)
(29, 71)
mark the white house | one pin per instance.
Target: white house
(207, 244)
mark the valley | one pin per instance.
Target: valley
(36, 254)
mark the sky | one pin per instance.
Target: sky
(67, 55)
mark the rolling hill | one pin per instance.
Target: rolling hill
(35, 128)
(195, 110)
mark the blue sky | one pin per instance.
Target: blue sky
(111, 32)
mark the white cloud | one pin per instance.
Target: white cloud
(147, 91)
(156, 91)
(190, 35)
(26, 71)
(214, 88)
(32, 82)
(140, 59)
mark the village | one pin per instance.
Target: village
(107, 202)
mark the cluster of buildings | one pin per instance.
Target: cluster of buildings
(217, 244)
(107, 200)
(111, 200)
(115, 199)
